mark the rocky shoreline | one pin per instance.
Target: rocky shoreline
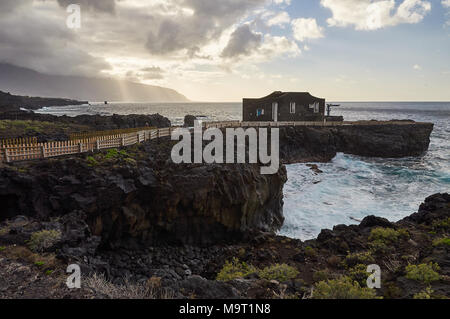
(134, 221)
(186, 271)
(141, 226)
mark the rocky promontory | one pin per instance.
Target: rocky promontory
(9, 102)
(388, 140)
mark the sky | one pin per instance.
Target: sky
(224, 50)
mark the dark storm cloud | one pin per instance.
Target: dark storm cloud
(34, 34)
(36, 41)
(242, 42)
(208, 21)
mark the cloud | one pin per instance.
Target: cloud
(417, 67)
(373, 15)
(279, 19)
(306, 29)
(446, 3)
(37, 39)
(242, 42)
(126, 38)
(208, 21)
(96, 5)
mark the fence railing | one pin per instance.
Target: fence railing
(28, 149)
(31, 151)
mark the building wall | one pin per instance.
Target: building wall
(302, 110)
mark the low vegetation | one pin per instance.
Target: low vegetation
(441, 225)
(128, 290)
(235, 269)
(44, 239)
(359, 273)
(111, 155)
(310, 252)
(445, 241)
(424, 273)
(381, 239)
(424, 294)
(279, 272)
(10, 129)
(364, 257)
(385, 235)
(342, 288)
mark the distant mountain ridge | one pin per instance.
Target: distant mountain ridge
(23, 81)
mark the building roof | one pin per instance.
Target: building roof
(279, 94)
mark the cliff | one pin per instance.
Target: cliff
(320, 144)
(139, 195)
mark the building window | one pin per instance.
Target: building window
(292, 107)
(259, 112)
(315, 106)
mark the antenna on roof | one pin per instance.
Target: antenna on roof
(329, 106)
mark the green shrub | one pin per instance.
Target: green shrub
(91, 161)
(2, 248)
(379, 247)
(44, 239)
(385, 235)
(442, 241)
(39, 263)
(321, 275)
(342, 288)
(441, 224)
(364, 257)
(279, 272)
(425, 273)
(235, 269)
(359, 273)
(310, 252)
(114, 153)
(424, 294)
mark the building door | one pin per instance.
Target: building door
(275, 111)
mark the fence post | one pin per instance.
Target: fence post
(6, 155)
(123, 141)
(42, 151)
(80, 147)
(97, 144)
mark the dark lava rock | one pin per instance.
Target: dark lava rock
(189, 120)
(373, 221)
(169, 203)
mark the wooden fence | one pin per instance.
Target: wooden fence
(85, 135)
(31, 151)
(28, 149)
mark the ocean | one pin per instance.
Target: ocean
(350, 187)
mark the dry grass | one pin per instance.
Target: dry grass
(150, 290)
(44, 239)
(21, 253)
